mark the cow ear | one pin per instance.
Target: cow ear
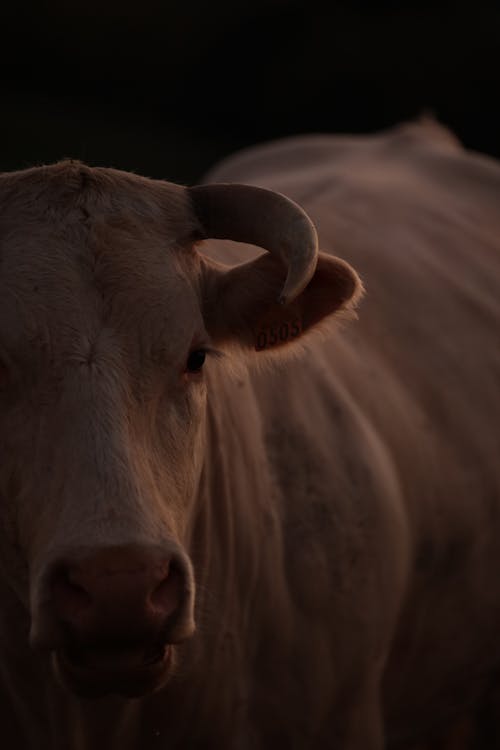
(241, 304)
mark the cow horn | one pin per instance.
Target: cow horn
(264, 218)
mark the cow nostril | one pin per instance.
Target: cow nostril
(165, 598)
(70, 598)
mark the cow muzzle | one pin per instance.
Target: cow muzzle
(112, 618)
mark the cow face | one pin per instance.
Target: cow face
(107, 314)
(102, 412)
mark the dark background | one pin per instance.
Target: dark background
(166, 88)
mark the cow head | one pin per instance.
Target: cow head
(107, 313)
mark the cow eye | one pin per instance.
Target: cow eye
(196, 360)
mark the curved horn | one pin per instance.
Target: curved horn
(260, 217)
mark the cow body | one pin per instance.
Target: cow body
(427, 335)
(337, 509)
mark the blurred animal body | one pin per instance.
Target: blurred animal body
(232, 516)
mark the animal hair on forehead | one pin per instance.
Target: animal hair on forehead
(68, 184)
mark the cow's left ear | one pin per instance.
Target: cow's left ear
(242, 307)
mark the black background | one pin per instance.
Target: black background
(166, 88)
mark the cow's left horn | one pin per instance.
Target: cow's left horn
(264, 218)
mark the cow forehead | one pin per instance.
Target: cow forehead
(83, 248)
(52, 192)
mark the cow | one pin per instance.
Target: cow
(244, 503)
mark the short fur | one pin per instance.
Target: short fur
(340, 508)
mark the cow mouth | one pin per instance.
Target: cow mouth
(129, 672)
